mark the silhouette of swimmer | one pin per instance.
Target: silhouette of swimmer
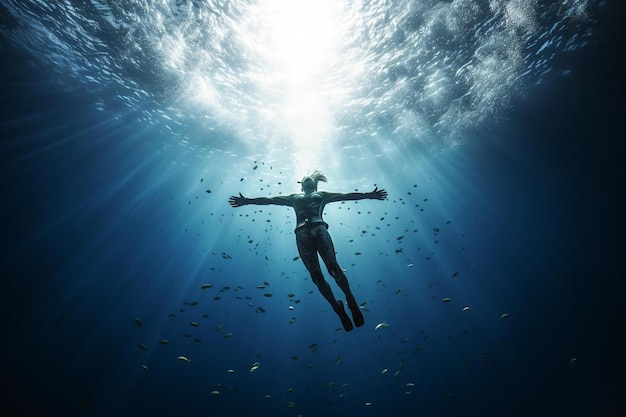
(312, 237)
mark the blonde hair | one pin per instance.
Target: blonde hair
(318, 176)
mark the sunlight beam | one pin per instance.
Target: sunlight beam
(300, 43)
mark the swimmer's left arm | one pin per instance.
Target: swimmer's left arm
(238, 201)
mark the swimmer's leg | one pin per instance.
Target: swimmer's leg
(308, 254)
(327, 252)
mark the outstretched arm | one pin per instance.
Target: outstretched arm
(238, 201)
(374, 195)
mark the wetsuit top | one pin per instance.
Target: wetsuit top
(309, 207)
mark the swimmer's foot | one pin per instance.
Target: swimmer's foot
(345, 320)
(357, 316)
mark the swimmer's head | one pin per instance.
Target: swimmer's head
(309, 183)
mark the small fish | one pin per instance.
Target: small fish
(228, 336)
(313, 345)
(231, 371)
(447, 300)
(398, 291)
(268, 295)
(220, 327)
(289, 390)
(338, 359)
(456, 274)
(504, 315)
(142, 346)
(194, 324)
(145, 368)
(466, 308)
(216, 392)
(255, 366)
(381, 325)
(164, 342)
(183, 359)
(138, 322)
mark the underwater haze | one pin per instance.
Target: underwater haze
(490, 279)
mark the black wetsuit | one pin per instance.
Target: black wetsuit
(312, 236)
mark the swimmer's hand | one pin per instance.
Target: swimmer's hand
(378, 194)
(237, 201)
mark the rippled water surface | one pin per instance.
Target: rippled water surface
(294, 71)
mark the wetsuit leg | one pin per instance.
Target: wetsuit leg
(308, 253)
(326, 250)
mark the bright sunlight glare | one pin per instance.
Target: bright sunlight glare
(283, 91)
(304, 41)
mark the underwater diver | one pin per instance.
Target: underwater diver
(312, 237)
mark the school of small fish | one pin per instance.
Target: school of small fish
(260, 299)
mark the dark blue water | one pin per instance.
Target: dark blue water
(112, 217)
